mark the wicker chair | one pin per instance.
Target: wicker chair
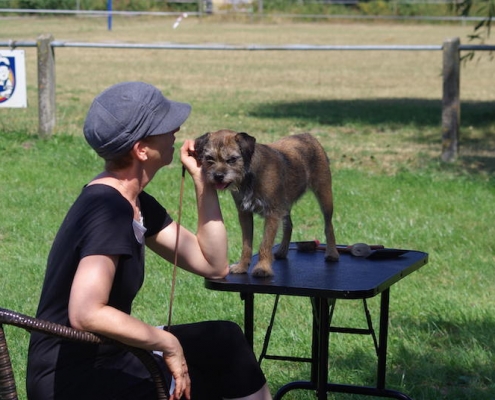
(8, 389)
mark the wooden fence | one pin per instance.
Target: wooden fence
(451, 49)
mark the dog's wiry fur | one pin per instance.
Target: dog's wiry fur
(268, 179)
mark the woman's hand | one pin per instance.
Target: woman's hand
(187, 158)
(177, 365)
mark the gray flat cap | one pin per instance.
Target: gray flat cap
(127, 112)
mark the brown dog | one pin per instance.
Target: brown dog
(268, 179)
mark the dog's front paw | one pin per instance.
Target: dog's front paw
(262, 270)
(239, 268)
(331, 254)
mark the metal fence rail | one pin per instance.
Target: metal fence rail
(451, 73)
(201, 12)
(12, 44)
(250, 47)
(93, 12)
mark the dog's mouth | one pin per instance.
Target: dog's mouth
(222, 185)
(219, 179)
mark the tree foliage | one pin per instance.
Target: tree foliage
(481, 31)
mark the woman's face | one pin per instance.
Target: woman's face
(161, 148)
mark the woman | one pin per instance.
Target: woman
(96, 267)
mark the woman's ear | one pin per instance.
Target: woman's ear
(140, 150)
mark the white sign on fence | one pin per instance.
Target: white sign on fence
(12, 79)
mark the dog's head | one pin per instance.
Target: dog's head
(225, 157)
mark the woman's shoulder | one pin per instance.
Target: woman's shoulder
(98, 189)
(102, 197)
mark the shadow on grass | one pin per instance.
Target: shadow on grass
(444, 369)
(437, 370)
(419, 112)
(397, 113)
(440, 373)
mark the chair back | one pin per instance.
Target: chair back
(8, 389)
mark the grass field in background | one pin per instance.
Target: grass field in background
(378, 116)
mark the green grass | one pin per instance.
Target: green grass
(378, 116)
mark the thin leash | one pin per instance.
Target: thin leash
(176, 251)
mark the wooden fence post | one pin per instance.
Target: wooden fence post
(46, 85)
(451, 104)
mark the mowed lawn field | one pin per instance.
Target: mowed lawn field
(378, 115)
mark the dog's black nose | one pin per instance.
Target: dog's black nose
(218, 177)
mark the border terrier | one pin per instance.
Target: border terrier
(268, 179)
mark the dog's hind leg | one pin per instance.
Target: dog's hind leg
(331, 252)
(325, 199)
(286, 235)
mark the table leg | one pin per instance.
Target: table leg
(315, 340)
(323, 336)
(248, 317)
(382, 339)
(268, 333)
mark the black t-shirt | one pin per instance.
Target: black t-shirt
(100, 222)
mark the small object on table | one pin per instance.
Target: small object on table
(357, 249)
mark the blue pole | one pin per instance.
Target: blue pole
(109, 9)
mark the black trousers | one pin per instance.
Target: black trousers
(220, 361)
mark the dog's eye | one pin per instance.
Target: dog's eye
(209, 159)
(232, 160)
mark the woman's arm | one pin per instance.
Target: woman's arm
(204, 253)
(89, 311)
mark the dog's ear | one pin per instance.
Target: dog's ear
(199, 145)
(246, 145)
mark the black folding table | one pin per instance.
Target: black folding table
(308, 275)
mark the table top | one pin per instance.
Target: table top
(308, 274)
